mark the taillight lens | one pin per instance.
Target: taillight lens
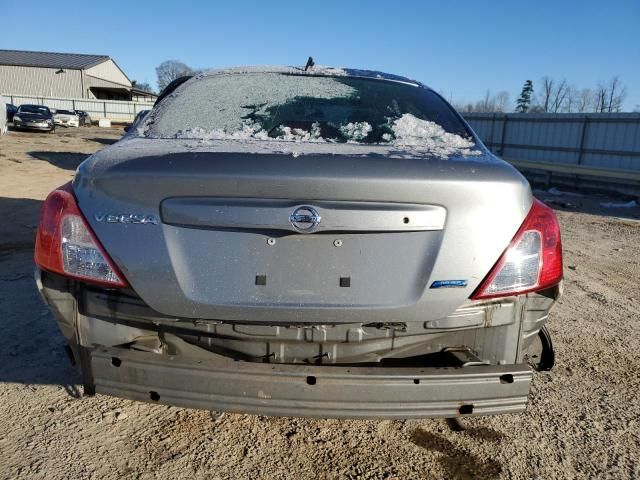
(531, 262)
(66, 245)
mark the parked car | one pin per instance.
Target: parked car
(85, 118)
(34, 117)
(141, 115)
(66, 118)
(329, 242)
(11, 111)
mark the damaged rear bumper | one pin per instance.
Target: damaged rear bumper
(117, 350)
(220, 383)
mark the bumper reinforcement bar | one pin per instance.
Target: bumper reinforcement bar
(214, 382)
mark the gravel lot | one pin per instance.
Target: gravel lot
(583, 420)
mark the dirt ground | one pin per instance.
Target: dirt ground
(583, 420)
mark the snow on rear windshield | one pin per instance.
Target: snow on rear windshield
(302, 108)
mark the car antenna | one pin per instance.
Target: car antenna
(310, 64)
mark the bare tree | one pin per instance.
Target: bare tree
(501, 101)
(585, 101)
(546, 93)
(463, 106)
(600, 99)
(169, 70)
(617, 92)
(141, 86)
(558, 97)
(610, 97)
(571, 99)
(490, 103)
(552, 96)
(486, 104)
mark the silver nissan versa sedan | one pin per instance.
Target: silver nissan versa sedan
(307, 242)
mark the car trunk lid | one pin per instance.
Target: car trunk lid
(228, 245)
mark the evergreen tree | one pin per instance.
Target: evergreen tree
(525, 97)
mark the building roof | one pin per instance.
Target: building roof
(76, 61)
(102, 83)
(140, 92)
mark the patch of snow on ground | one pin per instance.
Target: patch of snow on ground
(411, 131)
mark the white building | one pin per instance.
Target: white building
(65, 75)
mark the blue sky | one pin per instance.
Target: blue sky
(461, 48)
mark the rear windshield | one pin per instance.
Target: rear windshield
(65, 112)
(34, 109)
(275, 106)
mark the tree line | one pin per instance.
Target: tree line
(554, 96)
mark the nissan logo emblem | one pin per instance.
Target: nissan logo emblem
(305, 218)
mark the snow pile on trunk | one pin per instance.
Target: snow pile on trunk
(410, 131)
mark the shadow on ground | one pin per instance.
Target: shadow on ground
(20, 217)
(65, 160)
(456, 461)
(31, 347)
(104, 141)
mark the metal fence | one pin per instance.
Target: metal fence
(115, 110)
(598, 148)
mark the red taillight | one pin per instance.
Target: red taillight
(66, 245)
(531, 262)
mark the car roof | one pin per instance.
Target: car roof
(316, 70)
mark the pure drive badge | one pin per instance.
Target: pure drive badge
(139, 218)
(449, 284)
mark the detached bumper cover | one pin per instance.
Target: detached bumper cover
(219, 383)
